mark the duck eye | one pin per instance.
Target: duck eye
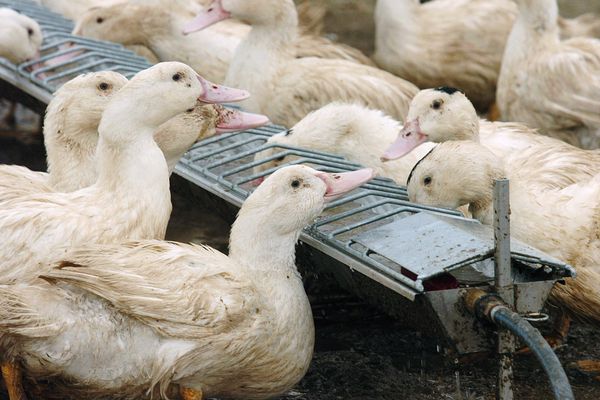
(176, 77)
(99, 20)
(29, 31)
(189, 110)
(295, 183)
(427, 181)
(103, 86)
(437, 104)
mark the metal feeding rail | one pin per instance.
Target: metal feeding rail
(417, 262)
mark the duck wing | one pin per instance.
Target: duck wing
(568, 81)
(182, 291)
(17, 181)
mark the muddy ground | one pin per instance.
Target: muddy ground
(360, 352)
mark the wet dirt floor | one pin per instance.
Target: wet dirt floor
(360, 352)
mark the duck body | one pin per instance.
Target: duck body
(268, 311)
(547, 83)
(237, 326)
(464, 49)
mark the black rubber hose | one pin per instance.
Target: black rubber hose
(512, 321)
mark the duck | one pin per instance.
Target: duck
(71, 135)
(562, 222)
(464, 50)
(131, 197)
(547, 83)
(446, 114)
(236, 326)
(20, 36)
(355, 132)
(157, 25)
(286, 88)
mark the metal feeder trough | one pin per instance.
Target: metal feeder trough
(414, 261)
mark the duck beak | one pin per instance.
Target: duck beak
(409, 137)
(236, 121)
(339, 184)
(214, 93)
(211, 15)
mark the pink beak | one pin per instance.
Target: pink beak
(409, 138)
(339, 184)
(213, 14)
(214, 93)
(236, 121)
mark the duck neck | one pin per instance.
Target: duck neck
(267, 46)
(482, 210)
(129, 160)
(536, 27)
(255, 243)
(468, 129)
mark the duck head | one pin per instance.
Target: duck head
(435, 115)
(73, 115)
(21, 37)
(255, 12)
(293, 196)
(178, 134)
(159, 93)
(454, 174)
(123, 23)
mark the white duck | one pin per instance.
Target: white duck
(562, 222)
(131, 197)
(355, 132)
(158, 25)
(444, 114)
(71, 135)
(463, 50)
(20, 36)
(286, 88)
(547, 83)
(237, 326)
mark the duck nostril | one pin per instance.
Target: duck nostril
(407, 134)
(210, 9)
(215, 87)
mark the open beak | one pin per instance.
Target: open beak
(409, 138)
(214, 93)
(211, 15)
(339, 184)
(236, 121)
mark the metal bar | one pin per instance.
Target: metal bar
(504, 285)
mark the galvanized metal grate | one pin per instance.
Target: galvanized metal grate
(224, 165)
